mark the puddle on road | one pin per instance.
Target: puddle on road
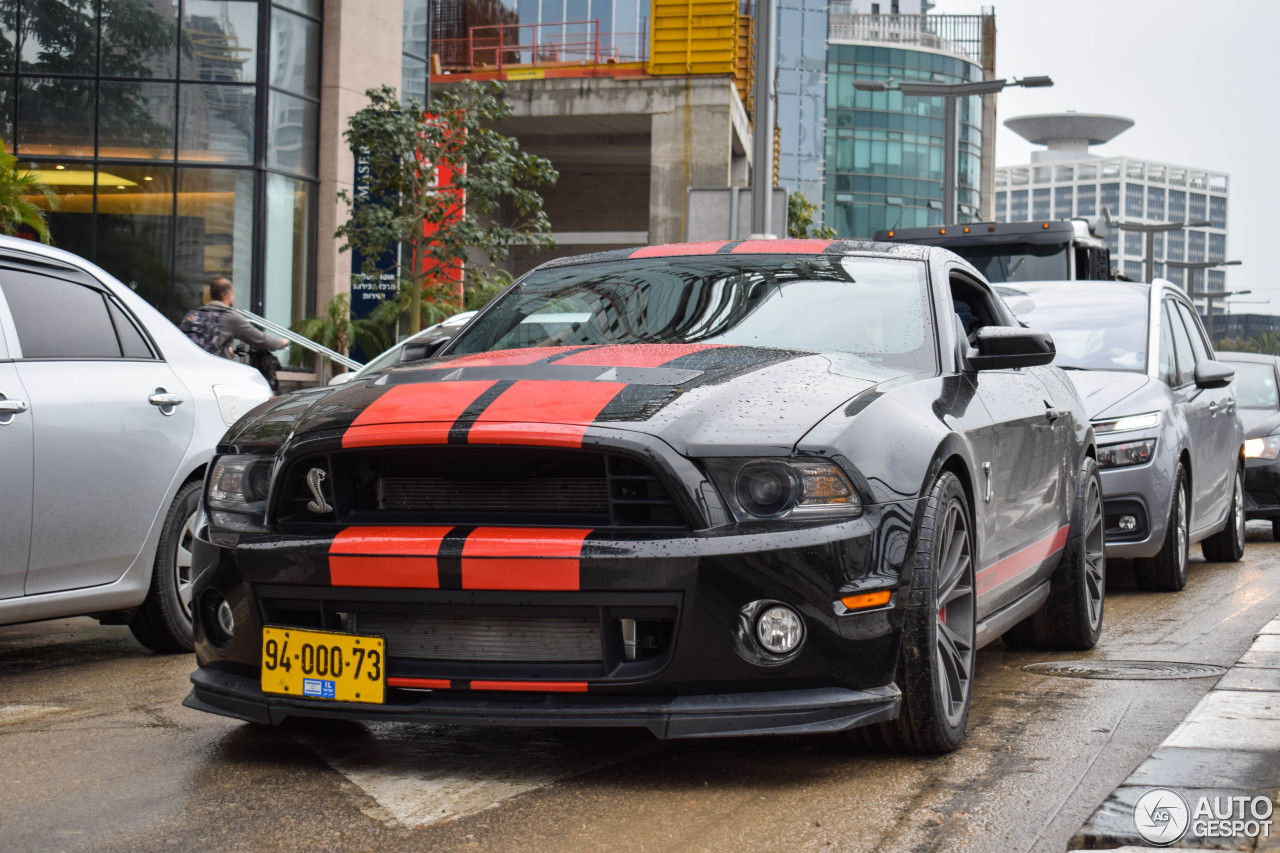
(425, 774)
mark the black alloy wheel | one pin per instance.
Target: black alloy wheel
(163, 622)
(1227, 545)
(936, 665)
(1167, 570)
(1071, 617)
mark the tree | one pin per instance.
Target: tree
(487, 203)
(338, 330)
(16, 189)
(800, 225)
(1268, 342)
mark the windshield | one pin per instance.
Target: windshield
(1018, 262)
(1095, 326)
(1255, 386)
(873, 308)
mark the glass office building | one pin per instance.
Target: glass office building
(179, 136)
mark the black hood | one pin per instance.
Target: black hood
(701, 400)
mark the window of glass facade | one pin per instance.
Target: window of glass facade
(1196, 208)
(1155, 203)
(1177, 206)
(1133, 269)
(1110, 198)
(1217, 247)
(1133, 200)
(1040, 203)
(1002, 207)
(1177, 242)
(147, 118)
(1062, 203)
(1018, 206)
(1195, 245)
(882, 145)
(1218, 211)
(1217, 281)
(1086, 200)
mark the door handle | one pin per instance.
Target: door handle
(1213, 408)
(9, 408)
(164, 400)
(1054, 414)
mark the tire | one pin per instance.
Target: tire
(1071, 618)
(163, 622)
(1227, 545)
(1167, 570)
(936, 664)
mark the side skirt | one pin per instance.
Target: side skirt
(1011, 614)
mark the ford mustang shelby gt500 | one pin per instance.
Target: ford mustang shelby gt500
(709, 489)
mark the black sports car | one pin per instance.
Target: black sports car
(709, 489)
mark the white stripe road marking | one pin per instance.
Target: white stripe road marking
(420, 775)
(1231, 719)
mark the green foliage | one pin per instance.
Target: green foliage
(800, 212)
(1236, 345)
(16, 188)
(402, 144)
(338, 330)
(485, 285)
(1267, 342)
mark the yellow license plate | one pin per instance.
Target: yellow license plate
(323, 665)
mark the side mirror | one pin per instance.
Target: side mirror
(418, 350)
(1213, 374)
(1007, 347)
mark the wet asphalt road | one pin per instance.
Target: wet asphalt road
(96, 752)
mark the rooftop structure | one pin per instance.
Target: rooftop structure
(1067, 135)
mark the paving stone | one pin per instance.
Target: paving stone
(1231, 719)
(1172, 767)
(1250, 678)
(1112, 824)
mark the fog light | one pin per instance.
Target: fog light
(780, 630)
(217, 618)
(1128, 522)
(226, 620)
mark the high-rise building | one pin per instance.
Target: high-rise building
(1066, 179)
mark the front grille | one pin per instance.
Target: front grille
(484, 638)
(463, 485)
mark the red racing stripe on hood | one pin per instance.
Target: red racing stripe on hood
(563, 409)
(413, 414)
(523, 558)
(396, 557)
(672, 250)
(499, 358)
(781, 247)
(634, 355)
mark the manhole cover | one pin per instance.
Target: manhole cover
(1134, 670)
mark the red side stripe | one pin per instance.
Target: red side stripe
(565, 409)
(780, 247)
(532, 686)
(423, 683)
(634, 355)
(1025, 560)
(675, 249)
(424, 413)
(386, 557)
(522, 558)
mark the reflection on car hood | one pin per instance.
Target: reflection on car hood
(698, 398)
(1259, 422)
(1102, 389)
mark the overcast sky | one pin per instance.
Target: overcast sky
(1197, 77)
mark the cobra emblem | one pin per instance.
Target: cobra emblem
(314, 478)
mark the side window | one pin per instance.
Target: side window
(1181, 346)
(58, 319)
(132, 343)
(1198, 343)
(1168, 364)
(972, 306)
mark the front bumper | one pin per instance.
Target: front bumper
(808, 711)
(1262, 488)
(702, 678)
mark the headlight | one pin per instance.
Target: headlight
(1262, 448)
(1129, 453)
(1129, 423)
(237, 493)
(784, 488)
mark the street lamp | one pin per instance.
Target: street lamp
(1151, 230)
(1208, 296)
(949, 92)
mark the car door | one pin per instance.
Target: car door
(1022, 482)
(108, 437)
(1222, 436)
(1206, 478)
(15, 472)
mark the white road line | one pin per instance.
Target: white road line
(422, 774)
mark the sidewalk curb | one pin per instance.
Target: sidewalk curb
(1228, 746)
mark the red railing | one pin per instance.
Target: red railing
(495, 47)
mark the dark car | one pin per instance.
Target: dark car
(1257, 378)
(773, 486)
(1170, 443)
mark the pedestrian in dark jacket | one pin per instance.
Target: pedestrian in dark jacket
(231, 326)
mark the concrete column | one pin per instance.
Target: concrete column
(361, 49)
(699, 136)
(987, 184)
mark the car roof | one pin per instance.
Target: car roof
(749, 247)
